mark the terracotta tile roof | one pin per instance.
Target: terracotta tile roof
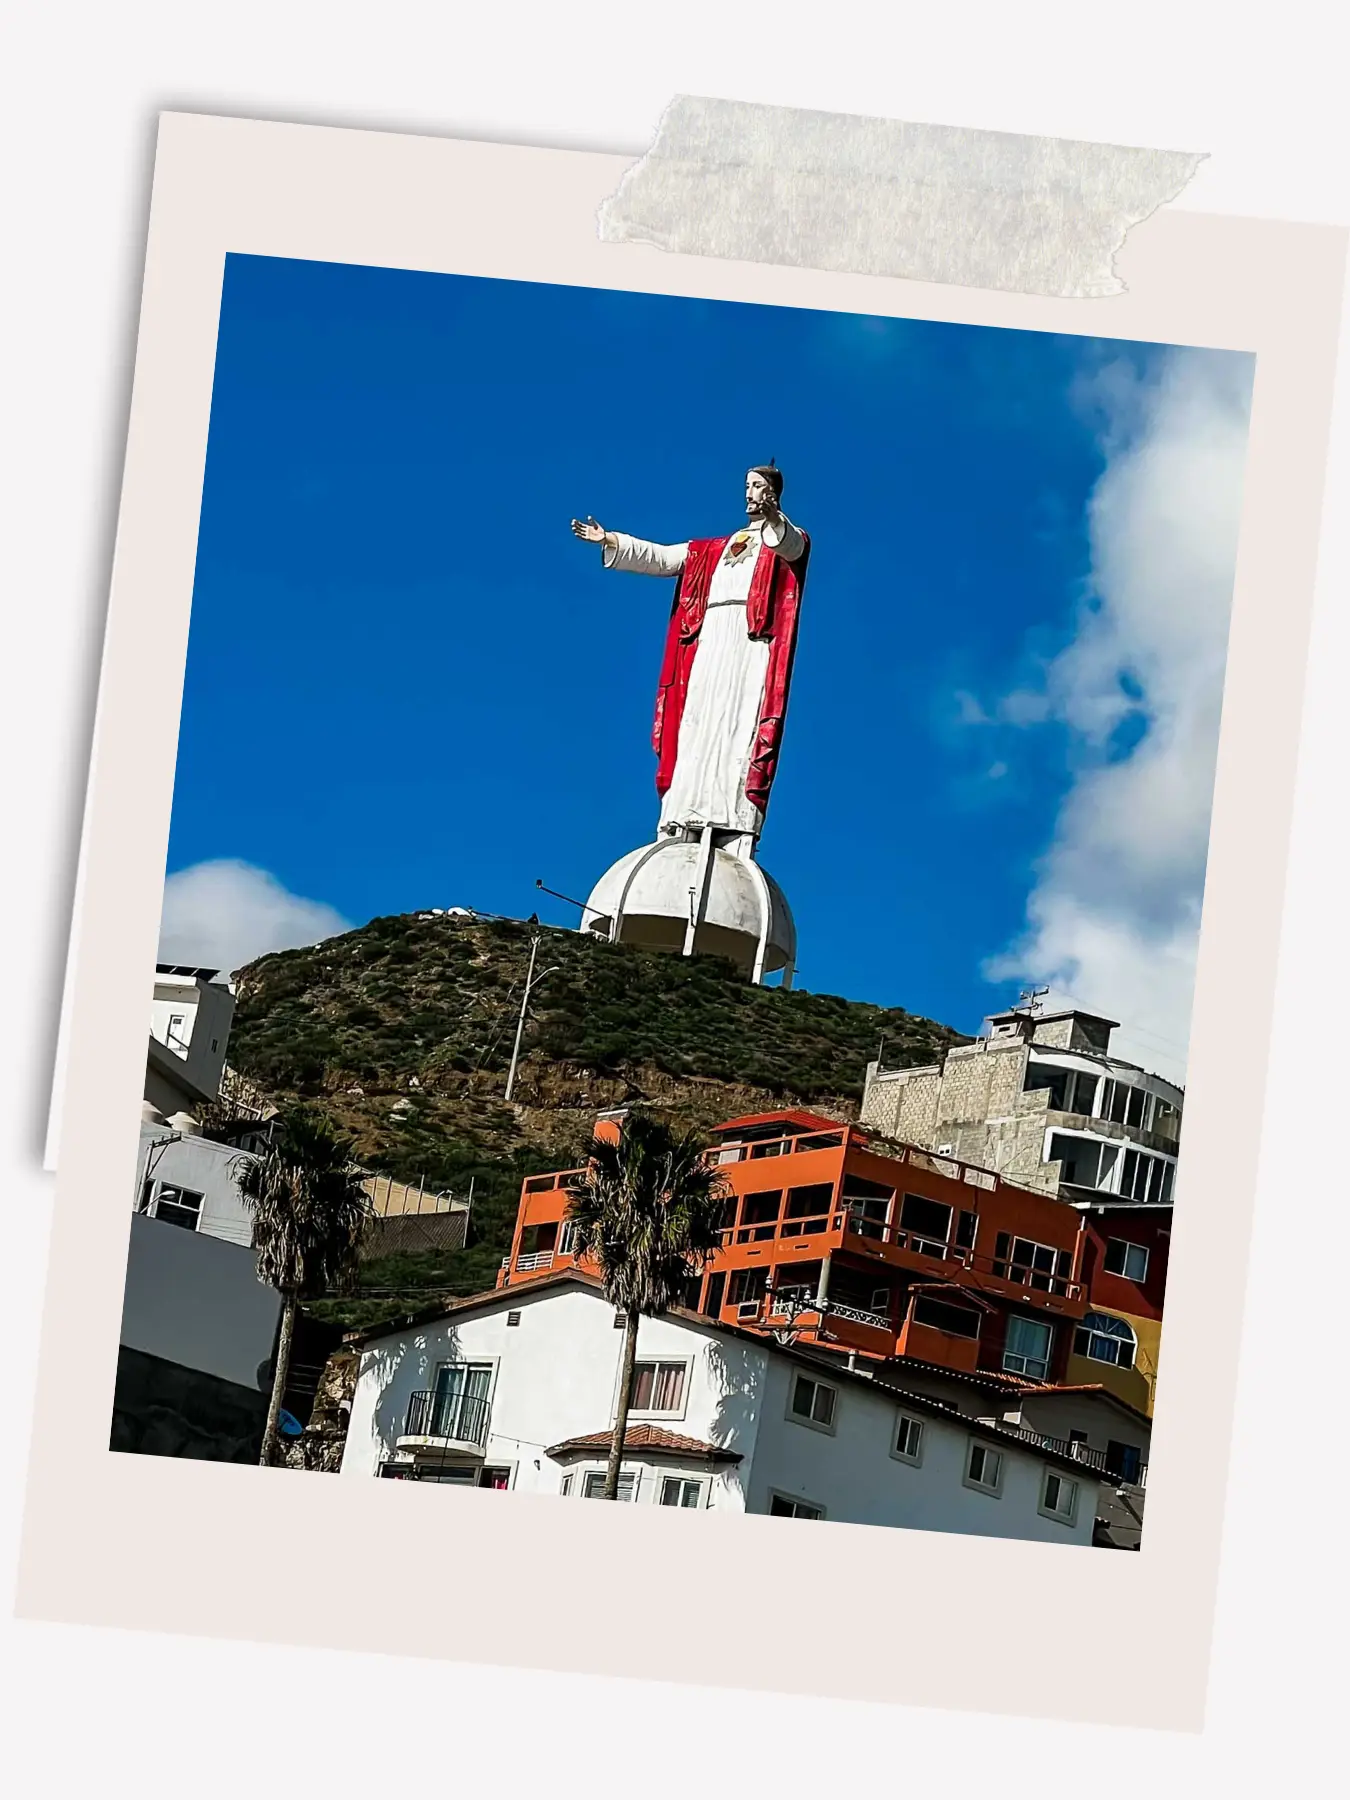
(647, 1437)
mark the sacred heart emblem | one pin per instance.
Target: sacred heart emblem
(738, 546)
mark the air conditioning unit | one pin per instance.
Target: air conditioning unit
(946, 1150)
(748, 1309)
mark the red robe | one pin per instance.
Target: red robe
(771, 613)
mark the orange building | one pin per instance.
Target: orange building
(867, 1247)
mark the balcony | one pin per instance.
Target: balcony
(1097, 1460)
(451, 1424)
(531, 1264)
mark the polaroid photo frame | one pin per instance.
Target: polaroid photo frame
(192, 1547)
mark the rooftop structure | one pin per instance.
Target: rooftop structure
(1041, 1100)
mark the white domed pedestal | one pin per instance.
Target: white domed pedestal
(693, 896)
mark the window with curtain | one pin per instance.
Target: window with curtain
(460, 1407)
(1106, 1339)
(1026, 1348)
(659, 1386)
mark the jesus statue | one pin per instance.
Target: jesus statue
(723, 695)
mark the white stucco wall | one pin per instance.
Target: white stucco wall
(555, 1376)
(851, 1473)
(203, 1167)
(207, 1011)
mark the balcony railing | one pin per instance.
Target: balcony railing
(453, 1418)
(536, 1259)
(858, 1315)
(799, 1303)
(785, 1146)
(1097, 1460)
(917, 1243)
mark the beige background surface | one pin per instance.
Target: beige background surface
(897, 1615)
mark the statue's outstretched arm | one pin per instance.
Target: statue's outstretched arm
(631, 555)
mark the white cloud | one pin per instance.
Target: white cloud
(1113, 916)
(224, 914)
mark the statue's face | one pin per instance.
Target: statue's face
(757, 491)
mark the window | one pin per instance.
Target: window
(1105, 1339)
(965, 1231)
(567, 1238)
(1046, 1075)
(179, 1206)
(759, 1216)
(1031, 1264)
(147, 1193)
(565, 1485)
(1059, 1497)
(593, 1488)
(1026, 1349)
(879, 1301)
(1085, 1162)
(1124, 1461)
(928, 1221)
(459, 1405)
(658, 1387)
(495, 1476)
(177, 1037)
(1145, 1177)
(984, 1469)
(958, 1321)
(811, 1206)
(812, 1403)
(1071, 1091)
(783, 1506)
(712, 1300)
(1129, 1260)
(869, 1205)
(677, 1491)
(513, 1318)
(747, 1285)
(908, 1442)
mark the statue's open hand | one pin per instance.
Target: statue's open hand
(588, 531)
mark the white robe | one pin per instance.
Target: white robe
(726, 683)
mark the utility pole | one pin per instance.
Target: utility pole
(531, 982)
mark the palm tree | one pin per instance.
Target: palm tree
(309, 1210)
(646, 1212)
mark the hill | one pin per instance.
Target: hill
(403, 1032)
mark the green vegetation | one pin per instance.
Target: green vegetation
(402, 1033)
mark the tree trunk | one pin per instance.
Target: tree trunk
(625, 1402)
(279, 1374)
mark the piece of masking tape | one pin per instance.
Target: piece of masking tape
(984, 209)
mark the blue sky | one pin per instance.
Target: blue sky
(408, 686)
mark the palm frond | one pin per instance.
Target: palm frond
(647, 1211)
(308, 1207)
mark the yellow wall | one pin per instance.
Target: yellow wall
(1134, 1385)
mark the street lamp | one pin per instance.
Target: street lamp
(531, 983)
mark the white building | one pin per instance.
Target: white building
(186, 1179)
(190, 1017)
(518, 1389)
